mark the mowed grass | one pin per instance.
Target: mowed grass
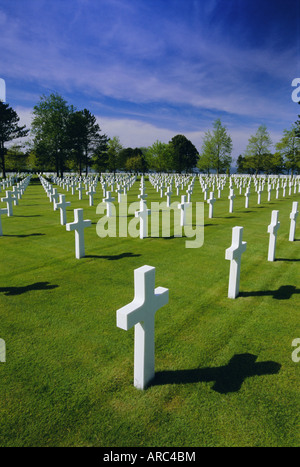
(224, 369)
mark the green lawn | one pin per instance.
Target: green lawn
(224, 372)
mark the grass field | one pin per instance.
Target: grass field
(224, 372)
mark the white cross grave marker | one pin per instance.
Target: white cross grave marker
(272, 229)
(247, 196)
(73, 186)
(143, 214)
(231, 199)
(259, 192)
(140, 313)
(90, 194)
(293, 217)
(16, 193)
(168, 195)
(54, 197)
(108, 200)
(2, 211)
(143, 195)
(9, 203)
(183, 206)
(189, 192)
(211, 201)
(234, 255)
(79, 225)
(62, 205)
(80, 189)
(119, 191)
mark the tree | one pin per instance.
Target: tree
(136, 162)
(83, 135)
(9, 130)
(159, 156)
(273, 163)
(124, 154)
(258, 147)
(49, 129)
(16, 159)
(216, 149)
(184, 155)
(92, 137)
(100, 156)
(76, 134)
(240, 162)
(113, 151)
(204, 163)
(289, 149)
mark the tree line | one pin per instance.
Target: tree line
(62, 138)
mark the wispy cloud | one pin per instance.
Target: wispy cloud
(198, 59)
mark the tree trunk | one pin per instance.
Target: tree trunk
(2, 151)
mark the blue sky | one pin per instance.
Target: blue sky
(151, 69)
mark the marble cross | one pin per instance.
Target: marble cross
(79, 225)
(247, 196)
(2, 211)
(168, 195)
(9, 202)
(211, 201)
(80, 189)
(183, 207)
(272, 230)
(90, 194)
(143, 214)
(293, 217)
(231, 198)
(140, 313)
(234, 255)
(62, 205)
(108, 200)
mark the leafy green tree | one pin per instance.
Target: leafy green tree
(216, 148)
(184, 155)
(113, 151)
(257, 149)
(240, 162)
(9, 130)
(49, 129)
(16, 159)
(76, 133)
(124, 154)
(289, 149)
(204, 162)
(137, 162)
(92, 137)
(32, 162)
(273, 163)
(100, 156)
(159, 156)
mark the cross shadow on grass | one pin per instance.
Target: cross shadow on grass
(24, 235)
(27, 288)
(286, 259)
(283, 293)
(114, 257)
(227, 378)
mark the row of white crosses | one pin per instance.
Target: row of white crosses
(77, 226)
(12, 197)
(238, 247)
(245, 182)
(140, 313)
(120, 183)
